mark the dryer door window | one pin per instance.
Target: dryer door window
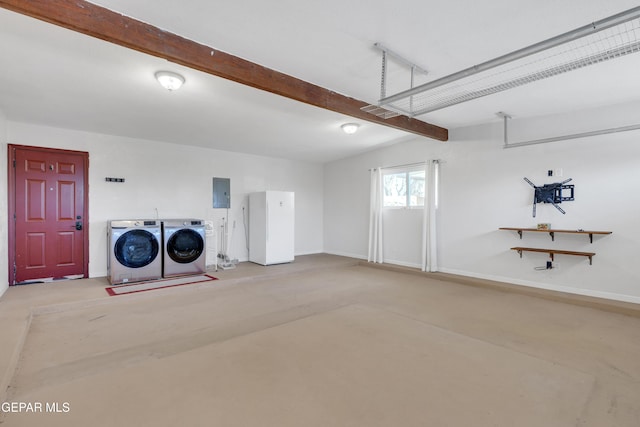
(136, 248)
(185, 246)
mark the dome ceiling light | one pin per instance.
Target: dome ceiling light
(170, 81)
(350, 128)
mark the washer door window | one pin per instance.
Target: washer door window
(185, 246)
(136, 248)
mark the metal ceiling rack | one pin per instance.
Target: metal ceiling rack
(376, 110)
(609, 38)
(508, 144)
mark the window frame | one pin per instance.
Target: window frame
(406, 171)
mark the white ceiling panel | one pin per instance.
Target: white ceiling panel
(56, 77)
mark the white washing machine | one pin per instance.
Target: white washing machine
(184, 247)
(134, 250)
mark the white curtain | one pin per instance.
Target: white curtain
(429, 237)
(375, 217)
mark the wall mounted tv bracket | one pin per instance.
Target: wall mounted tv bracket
(552, 193)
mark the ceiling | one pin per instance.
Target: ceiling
(56, 77)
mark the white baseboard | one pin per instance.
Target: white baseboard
(566, 289)
(402, 264)
(346, 254)
(309, 253)
(386, 261)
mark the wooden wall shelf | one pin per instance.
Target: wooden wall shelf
(552, 232)
(553, 252)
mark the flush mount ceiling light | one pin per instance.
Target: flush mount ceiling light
(607, 39)
(170, 81)
(350, 128)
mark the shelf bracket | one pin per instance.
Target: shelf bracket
(553, 236)
(520, 233)
(520, 252)
(591, 237)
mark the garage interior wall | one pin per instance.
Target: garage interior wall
(482, 189)
(173, 181)
(4, 236)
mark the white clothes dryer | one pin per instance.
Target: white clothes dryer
(184, 247)
(134, 250)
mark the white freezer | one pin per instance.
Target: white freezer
(271, 227)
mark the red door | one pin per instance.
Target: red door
(50, 232)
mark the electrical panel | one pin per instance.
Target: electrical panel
(222, 193)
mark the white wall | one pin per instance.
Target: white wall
(4, 267)
(482, 189)
(176, 181)
(403, 236)
(346, 204)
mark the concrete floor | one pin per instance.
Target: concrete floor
(324, 341)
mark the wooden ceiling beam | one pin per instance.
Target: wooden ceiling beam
(102, 23)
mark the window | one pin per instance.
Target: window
(403, 188)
